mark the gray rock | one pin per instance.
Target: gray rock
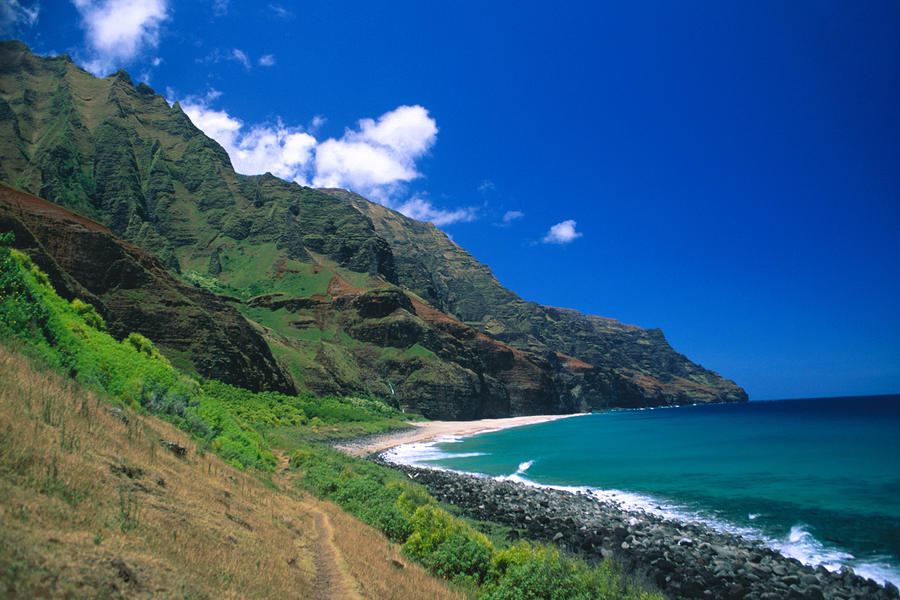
(119, 414)
(176, 449)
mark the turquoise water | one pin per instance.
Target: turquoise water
(817, 479)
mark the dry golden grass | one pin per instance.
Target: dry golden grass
(93, 507)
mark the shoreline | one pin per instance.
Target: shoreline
(428, 431)
(684, 560)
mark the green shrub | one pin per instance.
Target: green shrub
(89, 314)
(144, 346)
(21, 313)
(536, 571)
(411, 498)
(448, 547)
(300, 457)
(325, 418)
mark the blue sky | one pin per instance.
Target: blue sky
(727, 172)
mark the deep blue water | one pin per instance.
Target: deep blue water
(819, 479)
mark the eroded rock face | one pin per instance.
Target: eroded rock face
(134, 292)
(437, 366)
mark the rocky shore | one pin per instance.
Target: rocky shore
(684, 560)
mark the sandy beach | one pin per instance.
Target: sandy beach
(429, 430)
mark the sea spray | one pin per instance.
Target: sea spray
(519, 475)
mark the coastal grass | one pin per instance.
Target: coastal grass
(94, 506)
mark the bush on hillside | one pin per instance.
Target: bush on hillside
(90, 315)
(447, 546)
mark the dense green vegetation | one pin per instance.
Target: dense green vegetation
(447, 545)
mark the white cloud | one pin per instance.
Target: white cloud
(118, 30)
(241, 57)
(375, 160)
(379, 155)
(281, 12)
(512, 215)
(487, 186)
(217, 124)
(562, 233)
(283, 151)
(407, 130)
(423, 210)
(13, 15)
(220, 8)
(359, 166)
(267, 60)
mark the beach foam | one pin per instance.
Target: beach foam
(421, 454)
(805, 547)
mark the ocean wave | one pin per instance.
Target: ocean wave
(422, 454)
(519, 475)
(801, 544)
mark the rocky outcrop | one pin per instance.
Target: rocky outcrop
(457, 372)
(686, 561)
(134, 292)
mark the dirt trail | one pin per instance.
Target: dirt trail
(333, 582)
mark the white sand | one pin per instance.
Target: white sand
(429, 430)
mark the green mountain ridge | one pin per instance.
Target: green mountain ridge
(348, 295)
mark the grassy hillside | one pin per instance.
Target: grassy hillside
(93, 506)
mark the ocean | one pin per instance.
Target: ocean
(817, 479)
